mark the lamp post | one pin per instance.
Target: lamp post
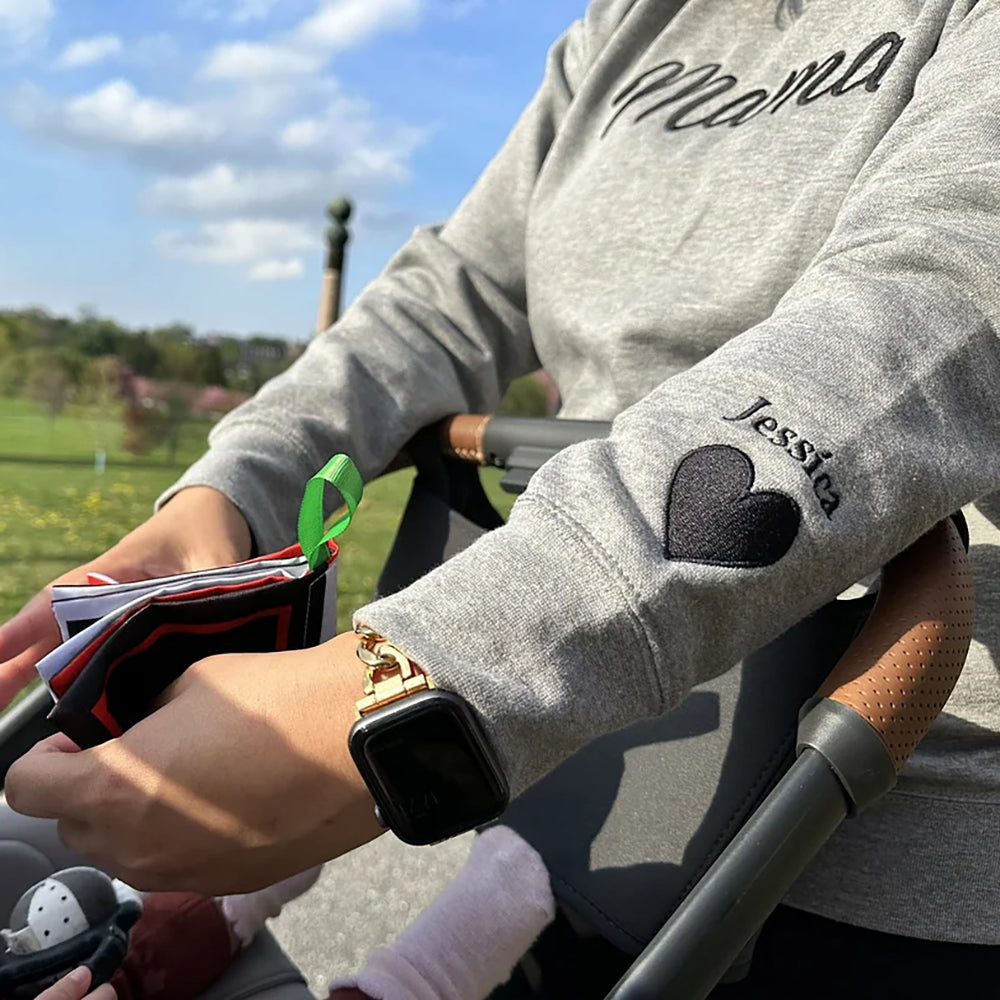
(337, 236)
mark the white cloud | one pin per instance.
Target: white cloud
(114, 114)
(225, 189)
(237, 241)
(88, 51)
(344, 24)
(234, 11)
(25, 21)
(277, 269)
(258, 60)
(336, 25)
(345, 133)
(364, 159)
(266, 151)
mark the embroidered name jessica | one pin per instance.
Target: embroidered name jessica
(796, 447)
(689, 93)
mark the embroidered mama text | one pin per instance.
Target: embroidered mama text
(691, 96)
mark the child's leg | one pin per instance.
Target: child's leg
(469, 939)
(184, 948)
(184, 942)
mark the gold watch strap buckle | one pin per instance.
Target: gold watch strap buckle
(390, 675)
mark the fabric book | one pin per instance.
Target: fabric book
(124, 644)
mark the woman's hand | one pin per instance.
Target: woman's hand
(242, 777)
(74, 986)
(198, 528)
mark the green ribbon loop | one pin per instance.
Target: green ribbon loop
(341, 473)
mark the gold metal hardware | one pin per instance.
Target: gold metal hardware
(389, 674)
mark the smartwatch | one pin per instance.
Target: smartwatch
(422, 751)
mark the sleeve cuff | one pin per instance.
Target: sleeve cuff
(511, 623)
(256, 479)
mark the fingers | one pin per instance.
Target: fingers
(24, 640)
(28, 636)
(15, 675)
(74, 986)
(32, 623)
(48, 780)
(55, 780)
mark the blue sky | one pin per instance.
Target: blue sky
(169, 160)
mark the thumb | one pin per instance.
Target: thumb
(46, 781)
(72, 986)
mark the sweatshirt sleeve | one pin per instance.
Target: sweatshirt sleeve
(443, 330)
(743, 494)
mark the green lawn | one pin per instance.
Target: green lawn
(77, 432)
(55, 516)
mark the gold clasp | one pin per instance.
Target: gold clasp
(389, 674)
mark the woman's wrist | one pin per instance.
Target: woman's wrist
(198, 528)
(212, 530)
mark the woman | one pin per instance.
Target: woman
(764, 237)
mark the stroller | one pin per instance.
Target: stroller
(792, 760)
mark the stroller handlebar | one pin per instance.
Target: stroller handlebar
(901, 669)
(462, 437)
(492, 440)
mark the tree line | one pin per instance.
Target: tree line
(158, 378)
(38, 350)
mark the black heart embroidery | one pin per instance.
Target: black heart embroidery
(715, 517)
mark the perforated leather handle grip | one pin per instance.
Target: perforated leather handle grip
(901, 669)
(462, 436)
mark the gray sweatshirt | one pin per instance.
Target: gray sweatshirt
(764, 235)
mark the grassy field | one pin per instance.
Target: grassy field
(55, 516)
(76, 433)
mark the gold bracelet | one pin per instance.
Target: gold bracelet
(390, 674)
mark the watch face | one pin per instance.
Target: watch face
(430, 760)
